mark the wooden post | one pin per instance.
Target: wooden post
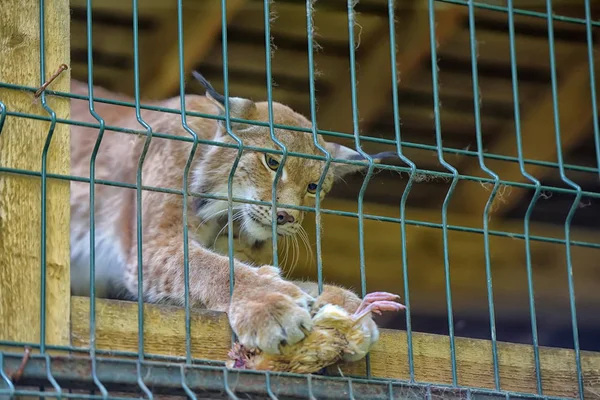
(21, 142)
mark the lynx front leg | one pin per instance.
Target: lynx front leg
(264, 311)
(260, 254)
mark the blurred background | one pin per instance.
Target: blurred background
(425, 257)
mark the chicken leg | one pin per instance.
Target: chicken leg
(377, 302)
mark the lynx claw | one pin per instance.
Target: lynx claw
(270, 335)
(272, 320)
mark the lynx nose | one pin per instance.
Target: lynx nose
(283, 218)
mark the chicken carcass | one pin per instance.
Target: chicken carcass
(335, 333)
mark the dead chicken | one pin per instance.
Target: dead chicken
(336, 334)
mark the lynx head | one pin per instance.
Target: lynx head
(256, 170)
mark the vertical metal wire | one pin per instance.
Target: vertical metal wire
(228, 390)
(413, 168)
(186, 171)
(5, 378)
(268, 385)
(590, 48)
(311, 395)
(2, 116)
(140, 380)
(139, 182)
(536, 195)
(576, 202)
(486, 239)
(11, 387)
(438, 136)
(350, 390)
(51, 379)
(313, 117)
(267, 21)
(239, 154)
(184, 385)
(356, 130)
(92, 207)
(44, 181)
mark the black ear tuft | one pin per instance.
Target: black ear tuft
(209, 88)
(376, 157)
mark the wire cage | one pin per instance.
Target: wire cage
(504, 253)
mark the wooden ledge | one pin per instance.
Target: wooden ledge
(164, 334)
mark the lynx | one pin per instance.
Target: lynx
(265, 310)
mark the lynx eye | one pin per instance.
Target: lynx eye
(312, 188)
(271, 162)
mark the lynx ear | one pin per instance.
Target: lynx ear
(238, 107)
(345, 153)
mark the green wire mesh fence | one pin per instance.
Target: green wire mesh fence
(152, 375)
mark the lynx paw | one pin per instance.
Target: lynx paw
(270, 314)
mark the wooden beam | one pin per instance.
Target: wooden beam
(251, 58)
(113, 40)
(374, 79)
(201, 30)
(538, 139)
(145, 8)
(211, 335)
(21, 143)
(164, 334)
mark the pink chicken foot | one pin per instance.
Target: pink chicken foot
(377, 302)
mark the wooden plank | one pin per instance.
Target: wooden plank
(374, 80)
(291, 63)
(389, 359)
(145, 7)
(494, 47)
(460, 84)
(200, 30)
(164, 326)
(164, 334)
(289, 20)
(538, 138)
(105, 39)
(103, 76)
(21, 144)
(461, 124)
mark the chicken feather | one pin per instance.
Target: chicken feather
(335, 333)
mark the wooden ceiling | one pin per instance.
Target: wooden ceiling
(159, 77)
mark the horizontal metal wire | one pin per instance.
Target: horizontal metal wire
(398, 169)
(371, 139)
(118, 353)
(517, 11)
(210, 382)
(373, 217)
